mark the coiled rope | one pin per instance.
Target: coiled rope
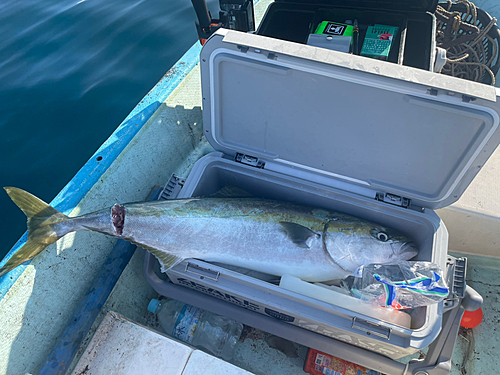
(465, 42)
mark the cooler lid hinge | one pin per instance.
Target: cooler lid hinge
(393, 199)
(468, 98)
(249, 160)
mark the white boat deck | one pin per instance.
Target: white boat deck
(122, 346)
(36, 308)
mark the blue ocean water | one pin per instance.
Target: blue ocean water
(70, 72)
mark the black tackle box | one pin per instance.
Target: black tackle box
(414, 45)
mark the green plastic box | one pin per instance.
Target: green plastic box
(334, 28)
(378, 41)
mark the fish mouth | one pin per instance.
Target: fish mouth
(406, 250)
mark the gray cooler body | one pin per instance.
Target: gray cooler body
(380, 141)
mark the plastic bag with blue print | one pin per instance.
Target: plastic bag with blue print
(400, 285)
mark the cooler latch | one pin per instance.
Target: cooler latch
(456, 273)
(371, 328)
(202, 272)
(249, 160)
(393, 199)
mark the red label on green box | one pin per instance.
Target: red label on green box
(378, 41)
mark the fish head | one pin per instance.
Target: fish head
(368, 243)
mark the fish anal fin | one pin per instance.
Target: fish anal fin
(166, 260)
(299, 234)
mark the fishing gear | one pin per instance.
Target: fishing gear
(470, 37)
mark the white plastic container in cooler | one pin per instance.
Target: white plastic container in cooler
(380, 141)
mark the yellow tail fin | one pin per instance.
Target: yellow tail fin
(41, 220)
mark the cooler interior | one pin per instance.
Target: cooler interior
(412, 46)
(261, 183)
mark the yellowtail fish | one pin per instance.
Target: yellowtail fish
(269, 236)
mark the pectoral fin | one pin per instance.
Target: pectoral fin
(299, 234)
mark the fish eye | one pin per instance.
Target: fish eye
(382, 236)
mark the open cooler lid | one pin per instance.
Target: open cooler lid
(372, 126)
(400, 5)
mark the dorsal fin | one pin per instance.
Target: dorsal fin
(231, 191)
(299, 234)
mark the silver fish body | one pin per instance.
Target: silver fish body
(273, 237)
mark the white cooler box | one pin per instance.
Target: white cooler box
(372, 139)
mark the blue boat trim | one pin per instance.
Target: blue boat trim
(64, 351)
(69, 197)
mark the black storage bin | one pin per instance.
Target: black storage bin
(414, 45)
